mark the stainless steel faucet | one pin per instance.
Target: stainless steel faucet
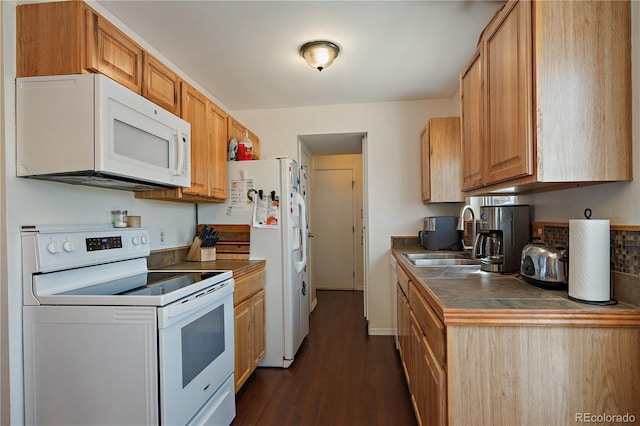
(473, 226)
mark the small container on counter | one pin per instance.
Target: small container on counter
(119, 218)
(134, 221)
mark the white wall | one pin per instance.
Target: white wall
(392, 167)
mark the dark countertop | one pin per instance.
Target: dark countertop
(467, 295)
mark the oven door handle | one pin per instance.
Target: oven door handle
(194, 303)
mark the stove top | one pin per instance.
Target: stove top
(102, 266)
(146, 284)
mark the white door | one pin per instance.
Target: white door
(332, 214)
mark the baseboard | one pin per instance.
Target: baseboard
(381, 331)
(314, 303)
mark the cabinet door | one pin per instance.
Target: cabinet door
(161, 85)
(259, 342)
(444, 159)
(218, 152)
(425, 164)
(403, 331)
(432, 389)
(508, 150)
(112, 53)
(243, 342)
(194, 110)
(49, 38)
(471, 128)
(399, 319)
(416, 368)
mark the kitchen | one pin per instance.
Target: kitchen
(26, 201)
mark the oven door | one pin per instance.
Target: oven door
(196, 338)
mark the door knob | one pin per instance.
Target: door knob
(310, 234)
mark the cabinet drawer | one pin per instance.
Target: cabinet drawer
(431, 326)
(403, 280)
(248, 286)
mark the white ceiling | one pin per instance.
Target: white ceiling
(245, 53)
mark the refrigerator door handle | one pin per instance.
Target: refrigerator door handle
(303, 231)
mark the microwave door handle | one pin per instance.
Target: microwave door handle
(178, 170)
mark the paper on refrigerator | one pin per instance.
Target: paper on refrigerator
(240, 192)
(266, 212)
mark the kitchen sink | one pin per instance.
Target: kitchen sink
(440, 260)
(420, 256)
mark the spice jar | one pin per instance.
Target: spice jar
(119, 218)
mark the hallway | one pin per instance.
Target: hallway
(340, 376)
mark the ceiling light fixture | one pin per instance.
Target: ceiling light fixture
(319, 54)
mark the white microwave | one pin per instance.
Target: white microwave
(86, 129)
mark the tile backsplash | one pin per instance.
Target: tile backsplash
(624, 246)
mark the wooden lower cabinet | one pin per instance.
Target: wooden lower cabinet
(432, 388)
(462, 371)
(424, 371)
(249, 311)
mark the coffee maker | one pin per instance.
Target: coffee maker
(503, 232)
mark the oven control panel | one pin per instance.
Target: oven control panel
(59, 248)
(103, 243)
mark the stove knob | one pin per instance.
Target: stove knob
(69, 246)
(54, 247)
(135, 240)
(144, 239)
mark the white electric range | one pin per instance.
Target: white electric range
(108, 341)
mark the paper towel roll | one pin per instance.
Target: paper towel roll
(589, 263)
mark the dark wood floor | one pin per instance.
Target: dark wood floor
(340, 376)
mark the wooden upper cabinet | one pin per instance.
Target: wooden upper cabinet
(49, 39)
(507, 55)
(160, 84)
(112, 53)
(208, 164)
(237, 129)
(440, 152)
(583, 90)
(472, 142)
(555, 95)
(195, 111)
(217, 166)
(70, 38)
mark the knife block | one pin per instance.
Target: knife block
(200, 254)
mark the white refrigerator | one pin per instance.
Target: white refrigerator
(278, 235)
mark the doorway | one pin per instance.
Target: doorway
(335, 165)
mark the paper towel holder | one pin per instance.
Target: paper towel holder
(587, 214)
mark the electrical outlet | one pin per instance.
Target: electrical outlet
(161, 237)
